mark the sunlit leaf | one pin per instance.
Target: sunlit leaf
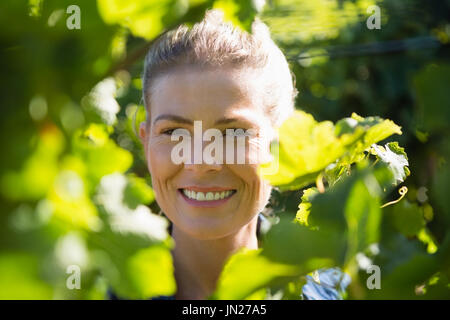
(137, 192)
(396, 159)
(247, 271)
(240, 13)
(100, 154)
(126, 219)
(70, 203)
(151, 272)
(307, 147)
(305, 205)
(143, 18)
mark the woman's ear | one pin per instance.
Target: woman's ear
(142, 132)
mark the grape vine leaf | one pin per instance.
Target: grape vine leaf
(135, 243)
(307, 147)
(247, 271)
(396, 159)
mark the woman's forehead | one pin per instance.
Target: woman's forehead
(211, 93)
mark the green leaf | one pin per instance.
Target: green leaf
(125, 220)
(151, 270)
(292, 21)
(307, 147)
(134, 241)
(240, 13)
(305, 205)
(100, 154)
(363, 215)
(376, 128)
(406, 217)
(248, 271)
(396, 159)
(137, 192)
(432, 94)
(69, 202)
(143, 18)
(101, 101)
(33, 180)
(286, 242)
(19, 277)
(350, 209)
(134, 272)
(404, 265)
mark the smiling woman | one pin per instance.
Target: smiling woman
(225, 79)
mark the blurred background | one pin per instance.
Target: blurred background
(74, 187)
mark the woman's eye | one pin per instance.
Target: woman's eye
(234, 132)
(168, 131)
(176, 132)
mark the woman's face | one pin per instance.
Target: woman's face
(207, 201)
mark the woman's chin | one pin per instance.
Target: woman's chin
(206, 232)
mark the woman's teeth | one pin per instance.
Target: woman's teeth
(207, 196)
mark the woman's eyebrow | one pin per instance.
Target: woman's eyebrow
(230, 120)
(174, 118)
(180, 119)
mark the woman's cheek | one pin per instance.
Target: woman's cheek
(161, 167)
(261, 187)
(158, 156)
(254, 184)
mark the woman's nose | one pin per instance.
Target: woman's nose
(203, 167)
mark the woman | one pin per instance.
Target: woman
(212, 77)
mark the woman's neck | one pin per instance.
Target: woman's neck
(198, 263)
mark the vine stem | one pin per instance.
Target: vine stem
(402, 191)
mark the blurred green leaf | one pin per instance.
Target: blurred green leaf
(406, 217)
(19, 277)
(135, 242)
(432, 95)
(240, 13)
(100, 154)
(137, 192)
(143, 18)
(151, 272)
(36, 176)
(247, 271)
(286, 242)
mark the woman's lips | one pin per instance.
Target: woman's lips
(206, 197)
(207, 189)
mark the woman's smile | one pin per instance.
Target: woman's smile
(206, 196)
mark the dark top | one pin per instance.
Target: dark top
(327, 284)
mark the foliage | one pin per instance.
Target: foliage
(75, 190)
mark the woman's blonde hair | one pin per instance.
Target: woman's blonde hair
(213, 43)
